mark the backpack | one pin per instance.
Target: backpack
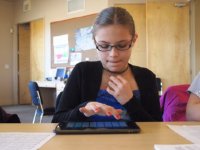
(8, 118)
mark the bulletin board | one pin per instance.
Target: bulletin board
(70, 27)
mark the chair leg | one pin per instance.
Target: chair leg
(39, 112)
(41, 116)
(42, 110)
(34, 116)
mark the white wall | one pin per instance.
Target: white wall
(197, 35)
(6, 52)
(113, 2)
(51, 11)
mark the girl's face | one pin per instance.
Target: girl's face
(115, 43)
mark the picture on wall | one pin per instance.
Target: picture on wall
(61, 49)
(83, 39)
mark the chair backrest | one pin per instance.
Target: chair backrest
(35, 93)
(173, 103)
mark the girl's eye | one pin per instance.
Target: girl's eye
(104, 46)
(122, 45)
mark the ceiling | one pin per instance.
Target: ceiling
(9, 0)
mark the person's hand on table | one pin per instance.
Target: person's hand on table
(96, 108)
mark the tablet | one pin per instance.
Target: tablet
(113, 127)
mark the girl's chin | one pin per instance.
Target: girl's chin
(114, 70)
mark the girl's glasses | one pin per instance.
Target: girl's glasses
(107, 47)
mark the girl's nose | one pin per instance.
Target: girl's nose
(114, 52)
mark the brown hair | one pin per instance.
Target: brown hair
(114, 15)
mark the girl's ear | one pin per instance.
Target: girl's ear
(135, 37)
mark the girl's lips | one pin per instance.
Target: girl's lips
(113, 61)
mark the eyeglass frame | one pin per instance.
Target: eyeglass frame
(111, 46)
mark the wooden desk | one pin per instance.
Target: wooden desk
(152, 133)
(49, 91)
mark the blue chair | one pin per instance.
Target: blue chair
(36, 100)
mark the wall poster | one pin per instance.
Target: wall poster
(61, 49)
(83, 39)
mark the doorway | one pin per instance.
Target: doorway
(23, 63)
(30, 57)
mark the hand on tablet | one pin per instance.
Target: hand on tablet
(93, 108)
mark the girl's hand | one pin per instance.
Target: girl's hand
(96, 108)
(120, 89)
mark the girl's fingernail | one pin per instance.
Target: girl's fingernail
(109, 113)
(118, 116)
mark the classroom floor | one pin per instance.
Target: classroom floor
(25, 113)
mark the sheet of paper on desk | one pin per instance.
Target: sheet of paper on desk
(23, 140)
(178, 147)
(189, 132)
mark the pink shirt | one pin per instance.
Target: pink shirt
(173, 103)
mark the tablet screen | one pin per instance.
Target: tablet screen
(97, 127)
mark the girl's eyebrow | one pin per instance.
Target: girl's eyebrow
(115, 42)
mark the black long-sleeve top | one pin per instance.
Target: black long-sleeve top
(84, 84)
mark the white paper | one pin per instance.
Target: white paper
(61, 49)
(178, 147)
(23, 140)
(189, 132)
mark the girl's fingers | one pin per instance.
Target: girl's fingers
(115, 80)
(110, 111)
(112, 85)
(94, 107)
(100, 109)
(117, 114)
(121, 79)
(84, 111)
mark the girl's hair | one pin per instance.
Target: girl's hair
(114, 15)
